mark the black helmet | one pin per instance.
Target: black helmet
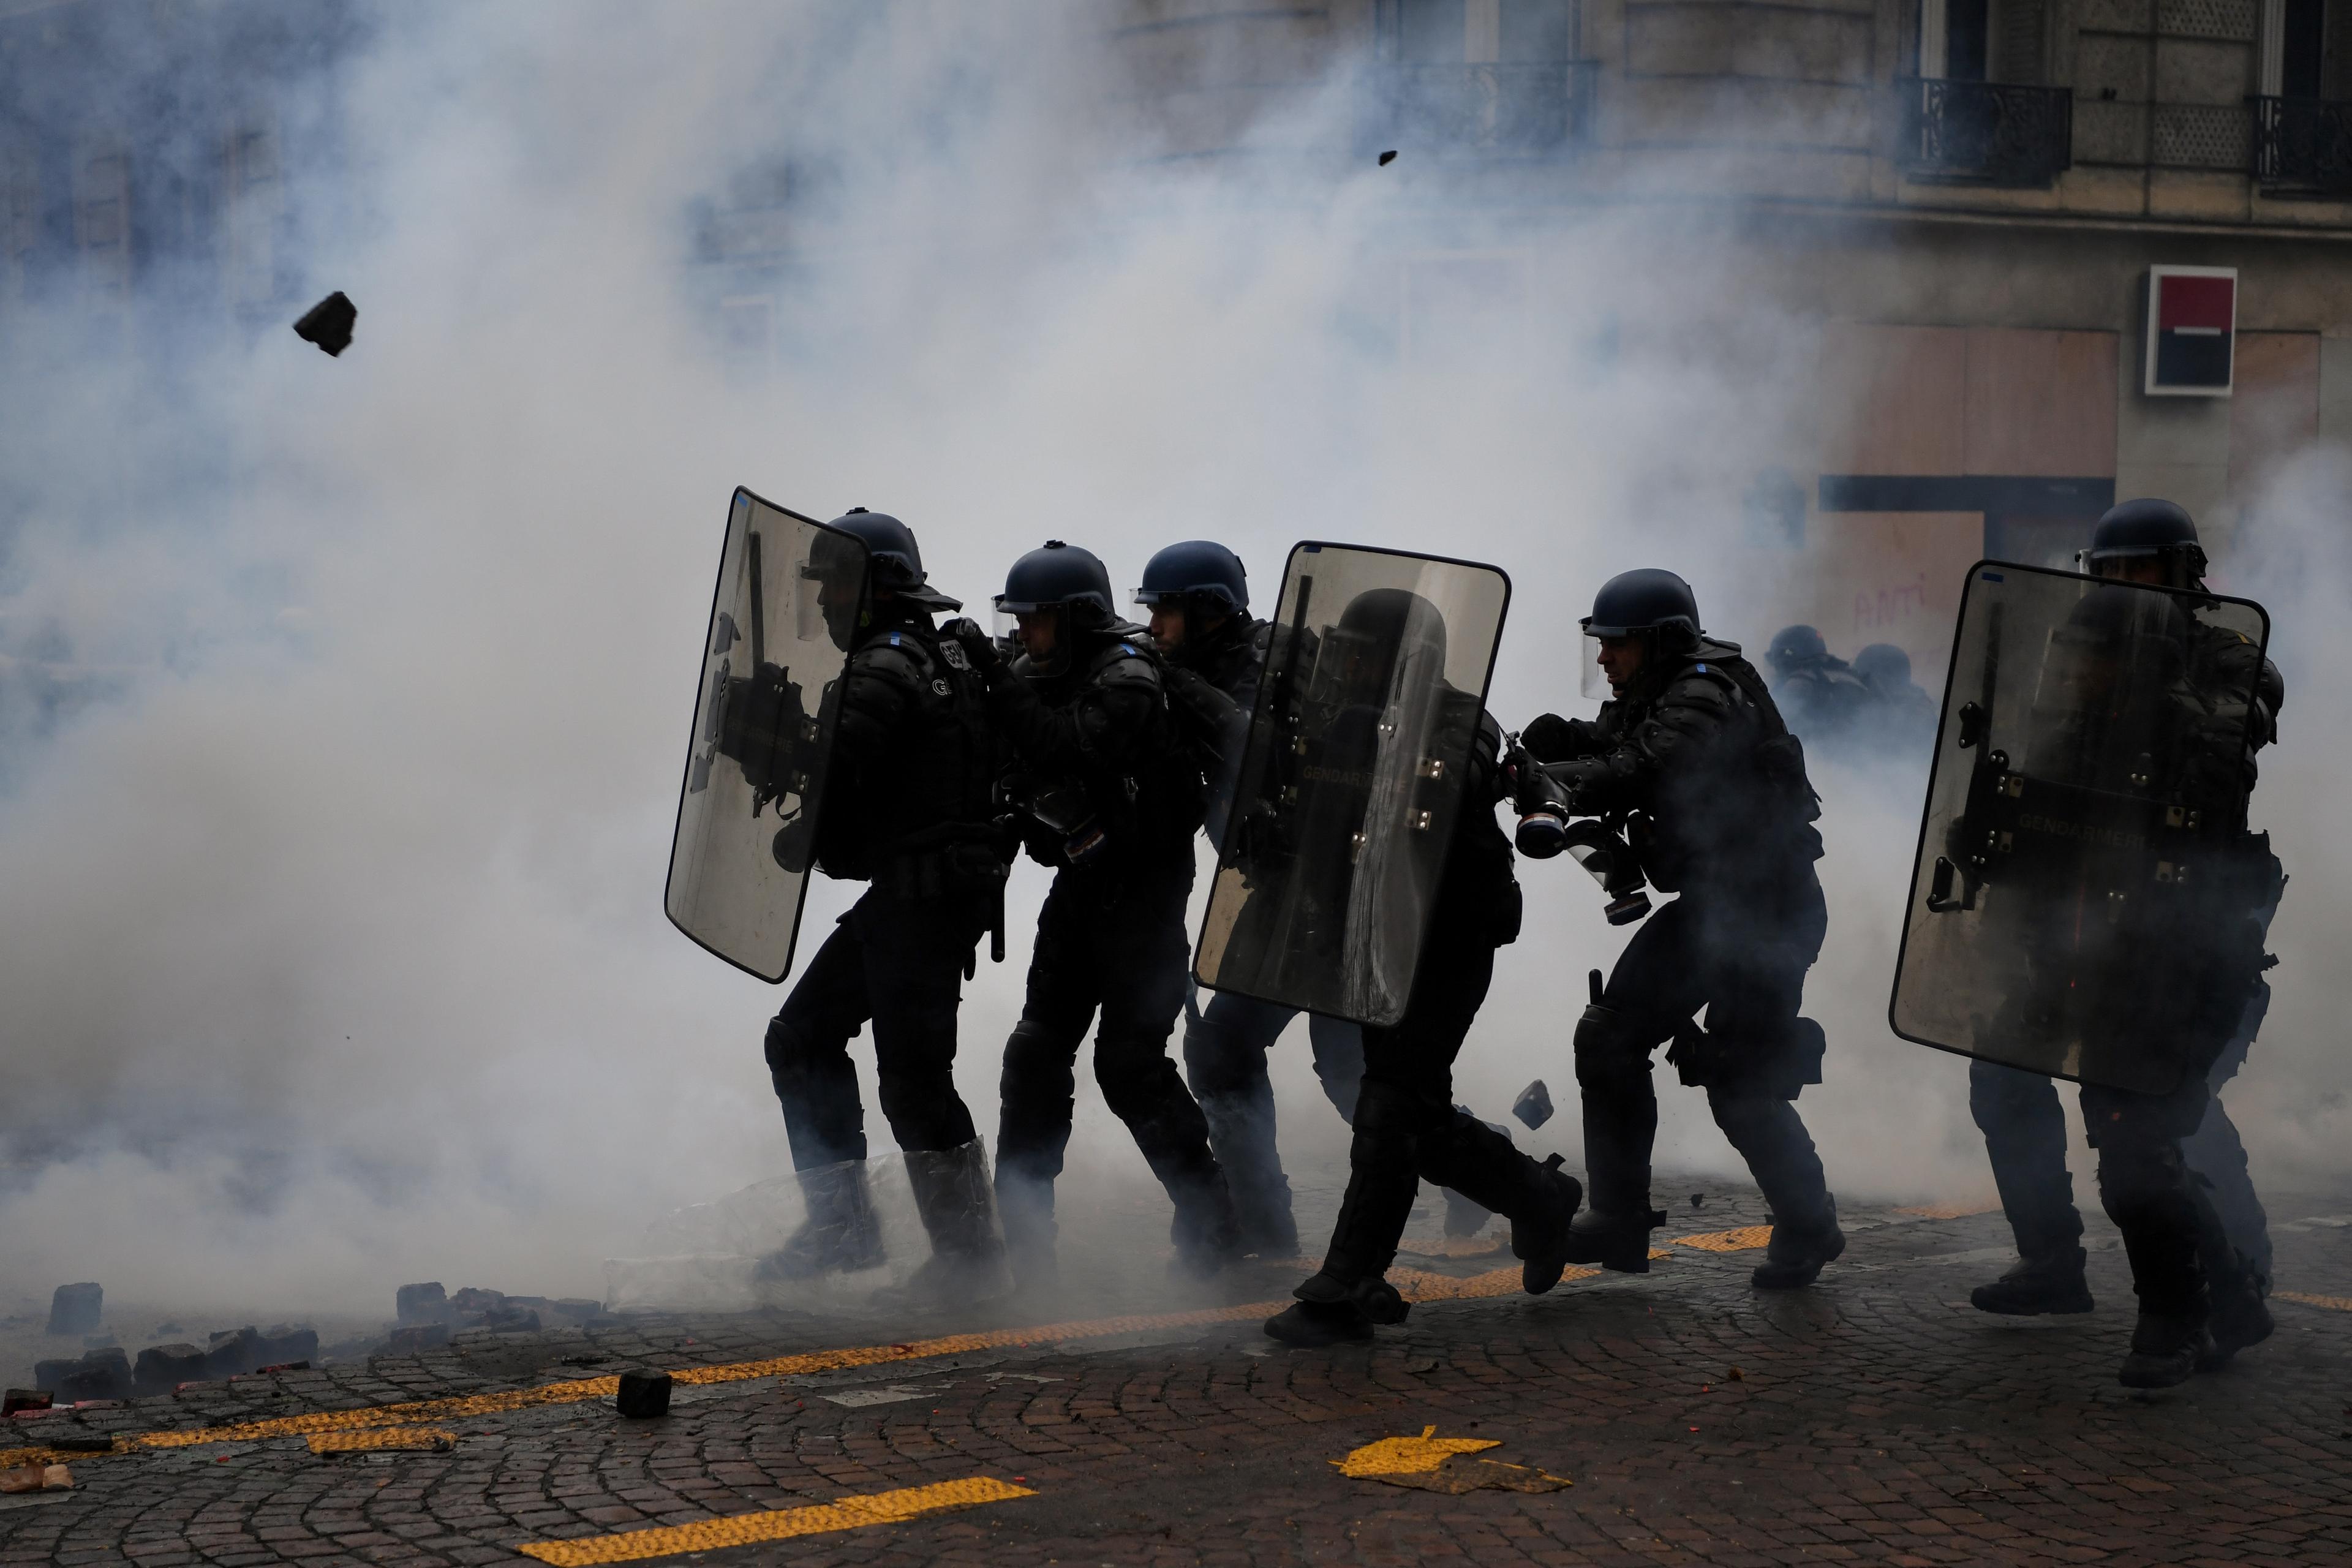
(1057, 574)
(2150, 527)
(896, 564)
(1195, 567)
(1644, 600)
(1379, 630)
(1796, 645)
(1882, 666)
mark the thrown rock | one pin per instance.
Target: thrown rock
(162, 1368)
(643, 1395)
(76, 1308)
(329, 323)
(425, 1303)
(1534, 1105)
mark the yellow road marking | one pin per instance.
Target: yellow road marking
(1746, 1237)
(1414, 1284)
(1410, 1456)
(776, 1525)
(2332, 1303)
(417, 1439)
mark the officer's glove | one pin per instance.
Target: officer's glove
(979, 650)
(1552, 739)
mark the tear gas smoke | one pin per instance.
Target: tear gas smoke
(334, 954)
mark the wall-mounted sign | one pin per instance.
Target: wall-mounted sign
(2192, 324)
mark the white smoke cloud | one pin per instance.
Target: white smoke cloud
(334, 955)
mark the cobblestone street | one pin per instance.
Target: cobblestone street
(1874, 1418)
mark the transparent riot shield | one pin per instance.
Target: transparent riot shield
(789, 591)
(2080, 897)
(1351, 780)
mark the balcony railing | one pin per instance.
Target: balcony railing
(1492, 110)
(1983, 133)
(2303, 144)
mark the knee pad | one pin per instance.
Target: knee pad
(1135, 1078)
(1610, 1054)
(1036, 1059)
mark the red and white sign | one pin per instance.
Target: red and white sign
(2192, 327)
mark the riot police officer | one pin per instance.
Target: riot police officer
(1197, 593)
(1407, 1127)
(2172, 1169)
(908, 810)
(1113, 797)
(1691, 757)
(1898, 722)
(1820, 695)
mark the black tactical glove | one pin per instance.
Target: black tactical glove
(979, 650)
(1552, 739)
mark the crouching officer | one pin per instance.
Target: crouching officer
(2172, 1169)
(1113, 796)
(1692, 762)
(1407, 1127)
(909, 811)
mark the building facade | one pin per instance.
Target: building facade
(1969, 210)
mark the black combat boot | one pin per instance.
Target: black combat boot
(1799, 1248)
(1469, 1156)
(1615, 1232)
(2050, 1282)
(1332, 1311)
(959, 1209)
(2240, 1318)
(841, 1233)
(1024, 1206)
(2164, 1351)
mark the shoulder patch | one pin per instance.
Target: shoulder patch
(952, 652)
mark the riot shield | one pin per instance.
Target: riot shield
(1351, 780)
(780, 622)
(2079, 895)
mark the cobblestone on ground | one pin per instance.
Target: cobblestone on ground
(1875, 1418)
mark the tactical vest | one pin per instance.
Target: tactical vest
(932, 785)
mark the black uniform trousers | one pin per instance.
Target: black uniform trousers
(900, 960)
(1110, 941)
(1744, 959)
(1226, 1039)
(1407, 1127)
(2172, 1171)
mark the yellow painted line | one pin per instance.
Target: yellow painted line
(776, 1525)
(1410, 1456)
(1741, 1240)
(413, 1439)
(1414, 1284)
(2332, 1303)
(1951, 1211)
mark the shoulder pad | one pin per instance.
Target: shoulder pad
(1125, 663)
(893, 654)
(1702, 685)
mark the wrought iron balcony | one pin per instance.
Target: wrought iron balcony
(1984, 132)
(1490, 110)
(2303, 144)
